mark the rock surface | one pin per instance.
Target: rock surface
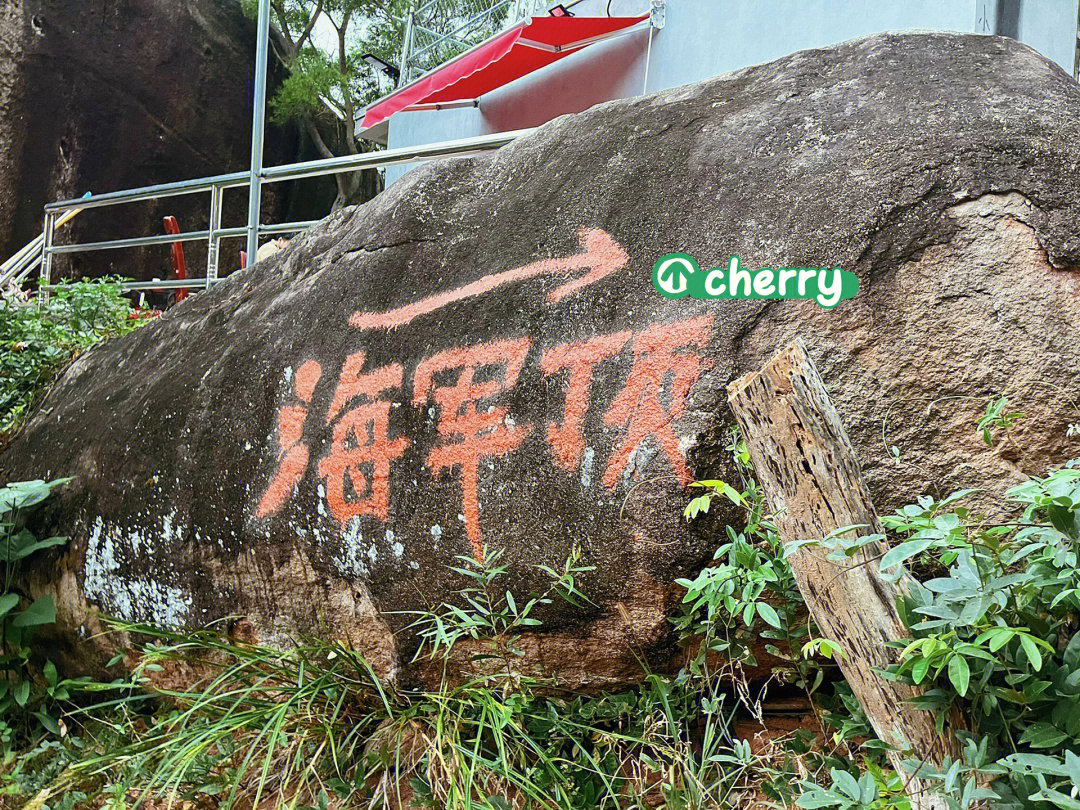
(119, 94)
(478, 356)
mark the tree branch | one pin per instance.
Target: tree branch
(316, 138)
(303, 38)
(349, 107)
(276, 48)
(343, 180)
(282, 46)
(283, 22)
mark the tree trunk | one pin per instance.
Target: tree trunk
(809, 473)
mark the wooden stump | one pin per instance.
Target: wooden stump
(805, 463)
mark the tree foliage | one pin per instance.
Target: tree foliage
(321, 44)
(37, 342)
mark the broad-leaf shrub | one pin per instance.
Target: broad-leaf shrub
(995, 626)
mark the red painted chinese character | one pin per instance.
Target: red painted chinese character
(294, 453)
(361, 437)
(639, 409)
(567, 440)
(470, 427)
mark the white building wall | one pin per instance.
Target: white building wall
(704, 38)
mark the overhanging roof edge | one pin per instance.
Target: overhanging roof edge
(502, 50)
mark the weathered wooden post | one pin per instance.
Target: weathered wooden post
(806, 465)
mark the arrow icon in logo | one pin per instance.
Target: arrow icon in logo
(602, 256)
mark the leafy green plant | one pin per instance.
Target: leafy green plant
(488, 611)
(994, 622)
(845, 793)
(749, 593)
(997, 417)
(747, 596)
(261, 724)
(26, 705)
(38, 341)
(994, 626)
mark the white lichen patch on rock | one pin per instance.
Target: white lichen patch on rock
(349, 557)
(110, 552)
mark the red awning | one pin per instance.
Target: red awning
(526, 47)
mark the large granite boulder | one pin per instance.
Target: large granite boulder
(478, 357)
(119, 94)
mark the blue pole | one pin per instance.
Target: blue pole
(258, 123)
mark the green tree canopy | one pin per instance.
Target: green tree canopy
(320, 43)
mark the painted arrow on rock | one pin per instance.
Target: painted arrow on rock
(602, 257)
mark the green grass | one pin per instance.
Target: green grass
(315, 726)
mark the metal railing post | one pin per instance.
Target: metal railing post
(45, 278)
(406, 48)
(213, 241)
(258, 127)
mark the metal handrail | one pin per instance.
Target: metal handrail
(15, 270)
(189, 236)
(233, 180)
(57, 213)
(299, 171)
